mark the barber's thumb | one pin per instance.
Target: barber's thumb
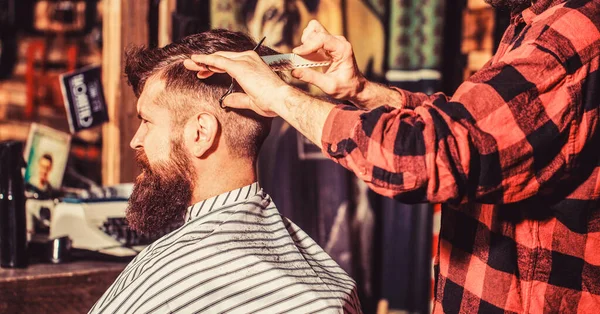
(237, 101)
(304, 49)
(312, 77)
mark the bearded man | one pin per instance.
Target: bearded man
(513, 154)
(234, 252)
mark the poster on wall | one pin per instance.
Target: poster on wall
(46, 154)
(84, 98)
(283, 21)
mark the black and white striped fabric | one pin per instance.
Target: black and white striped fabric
(234, 254)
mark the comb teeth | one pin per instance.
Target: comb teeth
(281, 65)
(288, 61)
(300, 62)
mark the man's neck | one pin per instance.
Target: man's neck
(223, 178)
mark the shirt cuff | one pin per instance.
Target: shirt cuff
(339, 130)
(411, 100)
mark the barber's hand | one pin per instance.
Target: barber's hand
(264, 89)
(342, 80)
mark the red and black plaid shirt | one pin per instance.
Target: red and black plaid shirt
(514, 154)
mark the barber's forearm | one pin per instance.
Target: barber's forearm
(373, 95)
(305, 113)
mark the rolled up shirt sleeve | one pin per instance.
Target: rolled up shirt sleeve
(413, 100)
(502, 137)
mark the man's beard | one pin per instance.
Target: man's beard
(511, 5)
(161, 194)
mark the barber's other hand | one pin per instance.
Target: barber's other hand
(264, 89)
(342, 79)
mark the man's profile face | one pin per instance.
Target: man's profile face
(44, 168)
(163, 190)
(154, 133)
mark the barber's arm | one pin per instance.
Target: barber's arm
(493, 141)
(504, 137)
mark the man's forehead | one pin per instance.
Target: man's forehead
(152, 89)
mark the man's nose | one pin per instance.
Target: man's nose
(136, 141)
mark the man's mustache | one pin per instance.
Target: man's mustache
(142, 160)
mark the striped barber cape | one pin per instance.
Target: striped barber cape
(234, 254)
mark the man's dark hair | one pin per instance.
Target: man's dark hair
(47, 156)
(185, 94)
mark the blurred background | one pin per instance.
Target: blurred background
(47, 47)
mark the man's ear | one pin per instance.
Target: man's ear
(201, 133)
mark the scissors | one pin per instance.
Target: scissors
(230, 90)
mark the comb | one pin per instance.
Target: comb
(289, 61)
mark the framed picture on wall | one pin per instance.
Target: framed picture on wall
(46, 154)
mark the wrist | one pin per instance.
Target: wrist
(366, 95)
(374, 95)
(362, 89)
(281, 99)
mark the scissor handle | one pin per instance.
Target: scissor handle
(230, 90)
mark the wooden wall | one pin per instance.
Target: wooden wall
(125, 24)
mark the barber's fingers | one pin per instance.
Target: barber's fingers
(316, 78)
(237, 55)
(332, 44)
(200, 67)
(219, 62)
(193, 66)
(203, 70)
(237, 101)
(316, 26)
(243, 101)
(233, 55)
(313, 27)
(214, 63)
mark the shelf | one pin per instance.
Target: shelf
(61, 288)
